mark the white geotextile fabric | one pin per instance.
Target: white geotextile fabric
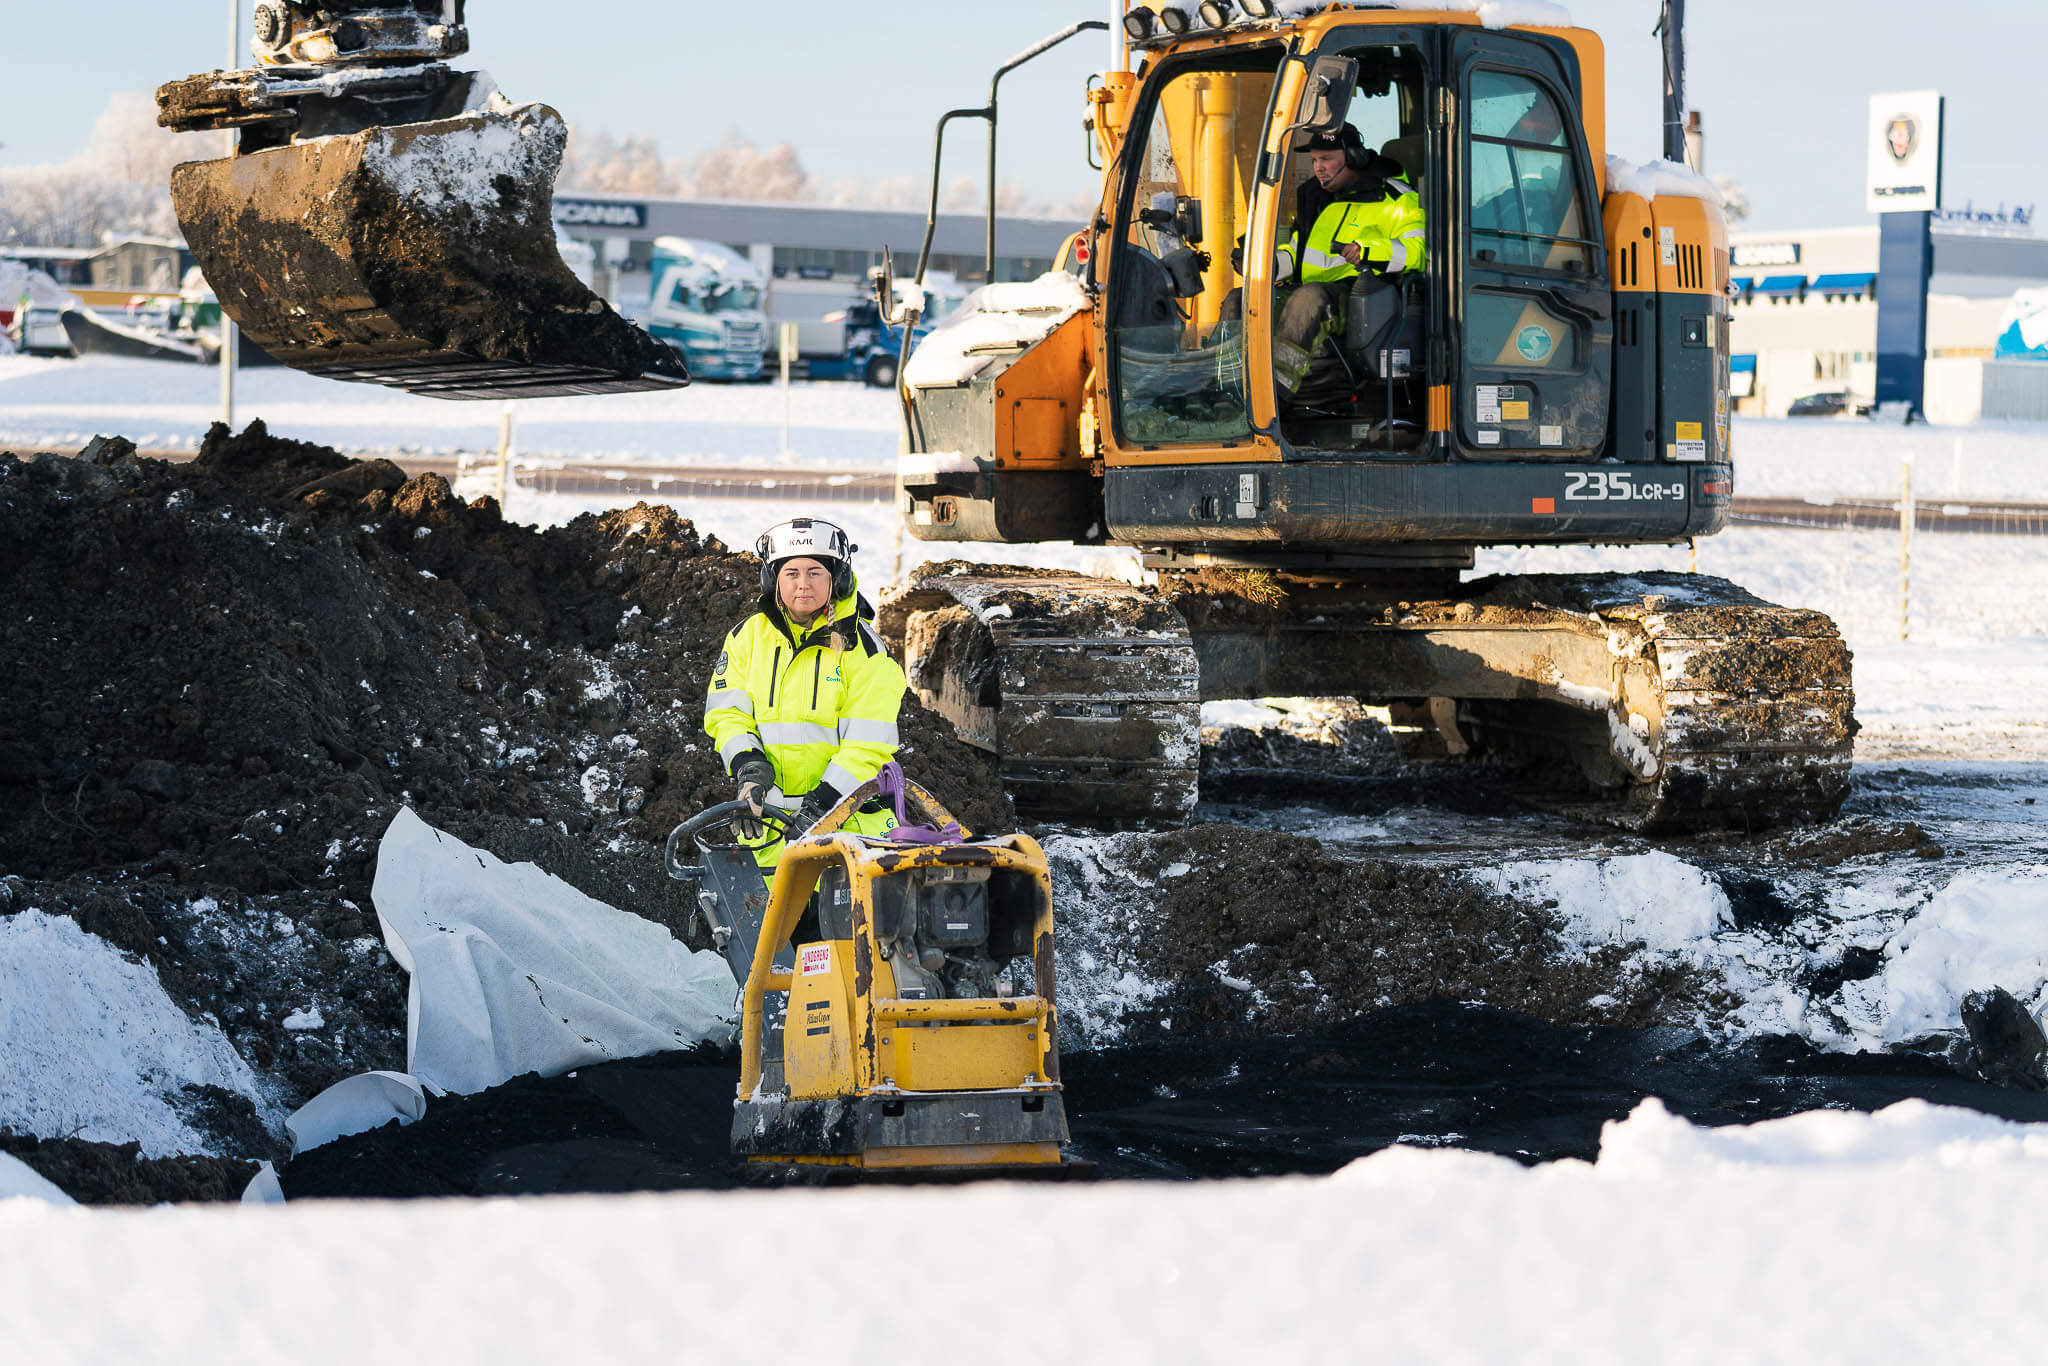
(354, 1105)
(515, 971)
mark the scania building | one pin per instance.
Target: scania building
(1805, 316)
(816, 257)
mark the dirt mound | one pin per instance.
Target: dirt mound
(118, 1173)
(228, 676)
(1245, 932)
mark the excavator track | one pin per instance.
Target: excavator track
(1657, 702)
(1086, 689)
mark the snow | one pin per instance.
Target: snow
(1491, 13)
(437, 172)
(1659, 178)
(1984, 929)
(515, 971)
(19, 1181)
(1829, 1236)
(91, 1046)
(998, 319)
(1654, 899)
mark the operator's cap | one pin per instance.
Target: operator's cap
(804, 538)
(1343, 138)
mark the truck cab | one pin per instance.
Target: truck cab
(706, 303)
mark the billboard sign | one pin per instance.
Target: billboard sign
(1904, 152)
(598, 213)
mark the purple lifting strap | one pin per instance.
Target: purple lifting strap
(889, 784)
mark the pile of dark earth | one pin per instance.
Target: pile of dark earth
(224, 678)
(1432, 1074)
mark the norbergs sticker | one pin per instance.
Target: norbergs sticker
(815, 958)
(1534, 342)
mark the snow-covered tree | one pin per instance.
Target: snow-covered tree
(120, 182)
(1734, 197)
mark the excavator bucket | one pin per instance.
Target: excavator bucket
(419, 255)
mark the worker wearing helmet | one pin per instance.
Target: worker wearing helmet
(803, 699)
(1355, 214)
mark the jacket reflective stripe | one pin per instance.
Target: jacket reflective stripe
(871, 732)
(798, 733)
(1378, 227)
(736, 744)
(842, 780)
(736, 698)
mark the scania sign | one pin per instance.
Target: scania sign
(593, 213)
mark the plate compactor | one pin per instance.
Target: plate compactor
(896, 999)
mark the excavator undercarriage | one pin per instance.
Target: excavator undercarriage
(1653, 701)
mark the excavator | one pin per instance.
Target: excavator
(1557, 376)
(386, 218)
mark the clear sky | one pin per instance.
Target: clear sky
(1782, 84)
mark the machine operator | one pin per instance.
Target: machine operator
(803, 699)
(1356, 214)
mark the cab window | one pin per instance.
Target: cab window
(1176, 329)
(1527, 209)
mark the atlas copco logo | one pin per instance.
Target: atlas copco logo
(591, 213)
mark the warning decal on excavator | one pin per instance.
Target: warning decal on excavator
(816, 958)
(1544, 505)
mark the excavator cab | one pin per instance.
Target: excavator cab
(389, 219)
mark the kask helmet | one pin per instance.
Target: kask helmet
(806, 538)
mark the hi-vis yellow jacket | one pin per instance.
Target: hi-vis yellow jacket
(820, 715)
(1384, 216)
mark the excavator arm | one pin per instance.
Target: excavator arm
(386, 218)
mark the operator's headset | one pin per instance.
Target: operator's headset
(807, 538)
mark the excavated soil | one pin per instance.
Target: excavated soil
(224, 679)
(118, 1173)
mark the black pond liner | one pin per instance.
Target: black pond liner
(1440, 1074)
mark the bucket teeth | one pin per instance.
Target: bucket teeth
(416, 255)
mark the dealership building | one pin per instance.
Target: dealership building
(816, 257)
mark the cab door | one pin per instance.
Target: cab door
(1530, 296)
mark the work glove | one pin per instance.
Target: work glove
(817, 806)
(755, 776)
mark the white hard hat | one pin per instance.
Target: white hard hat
(810, 538)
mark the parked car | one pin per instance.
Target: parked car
(1827, 405)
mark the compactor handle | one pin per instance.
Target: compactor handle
(710, 818)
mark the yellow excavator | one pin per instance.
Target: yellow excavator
(1557, 376)
(389, 219)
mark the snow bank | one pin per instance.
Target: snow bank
(1985, 929)
(1901, 1236)
(1654, 1144)
(514, 971)
(19, 1181)
(1659, 177)
(91, 1046)
(1656, 899)
(1002, 318)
